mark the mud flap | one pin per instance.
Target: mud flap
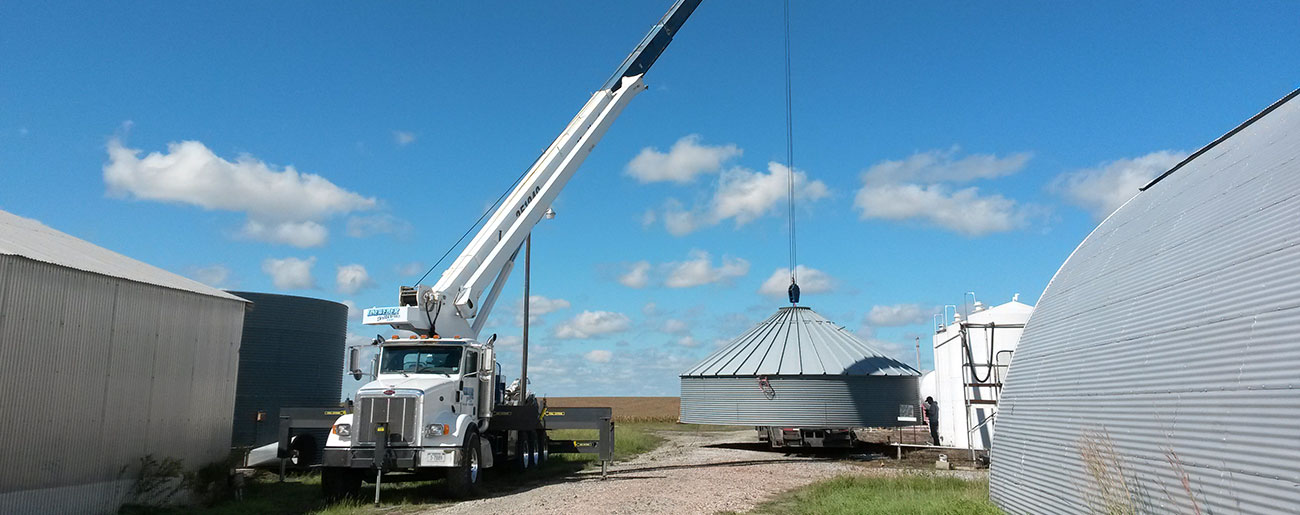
(485, 453)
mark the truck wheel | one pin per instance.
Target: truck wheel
(463, 480)
(302, 451)
(533, 452)
(543, 448)
(523, 453)
(340, 483)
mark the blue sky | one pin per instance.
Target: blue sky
(941, 148)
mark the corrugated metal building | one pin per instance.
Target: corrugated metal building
(291, 356)
(797, 368)
(1160, 366)
(106, 360)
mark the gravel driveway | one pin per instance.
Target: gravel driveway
(691, 472)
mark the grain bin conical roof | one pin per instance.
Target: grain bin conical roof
(798, 341)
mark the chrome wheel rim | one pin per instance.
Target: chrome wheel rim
(473, 465)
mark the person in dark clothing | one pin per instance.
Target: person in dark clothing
(932, 413)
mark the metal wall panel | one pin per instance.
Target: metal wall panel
(1169, 335)
(291, 356)
(101, 372)
(808, 401)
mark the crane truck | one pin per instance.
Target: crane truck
(438, 405)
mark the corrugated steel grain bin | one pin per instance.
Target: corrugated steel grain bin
(107, 361)
(1158, 372)
(797, 368)
(291, 357)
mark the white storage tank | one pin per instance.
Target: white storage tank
(971, 360)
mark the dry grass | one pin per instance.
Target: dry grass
(626, 409)
(1112, 491)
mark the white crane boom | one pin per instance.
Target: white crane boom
(452, 306)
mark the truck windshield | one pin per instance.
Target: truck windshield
(441, 359)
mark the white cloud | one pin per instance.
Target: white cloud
(1101, 190)
(299, 234)
(898, 315)
(282, 205)
(593, 323)
(508, 341)
(699, 270)
(403, 138)
(688, 342)
(290, 273)
(687, 159)
(743, 196)
(919, 188)
(352, 278)
(383, 223)
(674, 326)
(939, 166)
(810, 280)
(650, 309)
(637, 277)
(214, 276)
(538, 306)
(354, 313)
(964, 211)
(599, 356)
(411, 269)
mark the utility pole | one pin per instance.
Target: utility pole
(918, 353)
(528, 270)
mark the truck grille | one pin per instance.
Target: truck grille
(399, 412)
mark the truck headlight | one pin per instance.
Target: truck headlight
(343, 430)
(433, 430)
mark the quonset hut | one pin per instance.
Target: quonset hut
(1159, 371)
(110, 364)
(798, 368)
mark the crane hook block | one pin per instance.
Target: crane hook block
(794, 293)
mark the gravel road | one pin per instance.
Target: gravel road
(704, 472)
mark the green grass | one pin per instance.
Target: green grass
(300, 494)
(916, 494)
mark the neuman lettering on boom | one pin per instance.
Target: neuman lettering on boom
(527, 201)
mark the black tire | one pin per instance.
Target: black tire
(544, 448)
(302, 451)
(533, 451)
(464, 479)
(340, 483)
(523, 454)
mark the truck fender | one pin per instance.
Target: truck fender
(464, 423)
(334, 440)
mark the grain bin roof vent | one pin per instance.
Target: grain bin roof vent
(798, 341)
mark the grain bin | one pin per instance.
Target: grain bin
(1158, 373)
(291, 356)
(110, 364)
(797, 368)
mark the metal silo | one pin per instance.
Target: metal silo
(290, 356)
(1159, 371)
(797, 368)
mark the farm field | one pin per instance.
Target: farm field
(626, 409)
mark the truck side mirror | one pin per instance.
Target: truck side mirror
(354, 359)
